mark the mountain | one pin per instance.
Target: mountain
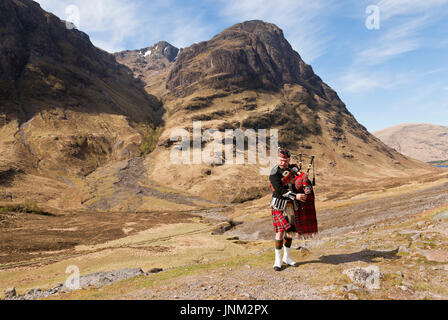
(85, 129)
(150, 62)
(425, 142)
(66, 107)
(249, 77)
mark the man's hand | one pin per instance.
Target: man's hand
(301, 197)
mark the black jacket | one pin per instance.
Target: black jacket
(281, 191)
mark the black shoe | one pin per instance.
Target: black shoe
(277, 269)
(291, 265)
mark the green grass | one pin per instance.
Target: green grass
(26, 207)
(168, 276)
(150, 139)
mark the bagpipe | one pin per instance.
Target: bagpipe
(298, 177)
(302, 180)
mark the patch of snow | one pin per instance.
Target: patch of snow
(148, 53)
(177, 55)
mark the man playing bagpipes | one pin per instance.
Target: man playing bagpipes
(292, 206)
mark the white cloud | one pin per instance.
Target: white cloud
(115, 25)
(403, 23)
(361, 81)
(392, 8)
(108, 22)
(305, 23)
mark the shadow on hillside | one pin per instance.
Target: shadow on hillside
(367, 256)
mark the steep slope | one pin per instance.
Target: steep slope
(249, 77)
(66, 107)
(150, 63)
(425, 142)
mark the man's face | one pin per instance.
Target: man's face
(283, 162)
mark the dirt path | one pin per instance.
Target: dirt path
(347, 218)
(130, 183)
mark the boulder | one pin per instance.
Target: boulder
(368, 277)
(10, 293)
(441, 216)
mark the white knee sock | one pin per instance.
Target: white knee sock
(278, 258)
(286, 257)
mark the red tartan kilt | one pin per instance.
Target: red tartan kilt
(279, 221)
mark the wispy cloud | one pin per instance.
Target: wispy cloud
(108, 22)
(393, 8)
(360, 82)
(403, 23)
(115, 25)
(305, 23)
(404, 29)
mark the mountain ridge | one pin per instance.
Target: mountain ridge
(422, 141)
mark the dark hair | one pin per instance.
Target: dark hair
(284, 153)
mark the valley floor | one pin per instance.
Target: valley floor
(403, 232)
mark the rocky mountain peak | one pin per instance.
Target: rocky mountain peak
(249, 55)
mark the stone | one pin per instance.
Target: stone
(154, 270)
(303, 249)
(349, 287)
(368, 277)
(10, 293)
(403, 249)
(436, 255)
(441, 216)
(406, 283)
(353, 296)
(415, 237)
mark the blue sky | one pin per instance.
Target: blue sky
(387, 76)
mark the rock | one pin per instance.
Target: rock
(330, 288)
(400, 274)
(10, 293)
(353, 296)
(154, 270)
(34, 292)
(100, 279)
(302, 249)
(368, 277)
(349, 287)
(416, 237)
(233, 238)
(441, 216)
(403, 249)
(406, 283)
(404, 288)
(435, 255)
